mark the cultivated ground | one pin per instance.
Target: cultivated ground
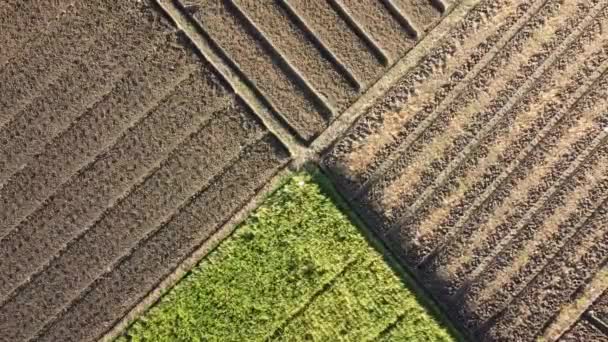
(469, 135)
(485, 166)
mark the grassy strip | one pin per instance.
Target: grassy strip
(296, 269)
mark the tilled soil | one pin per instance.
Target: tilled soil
(584, 331)
(310, 60)
(484, 167)
(122, 152)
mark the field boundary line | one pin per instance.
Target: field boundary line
(146, 112)
(163, 222)
(250, 96)
(292, 70)
(223, 232)
(452, 96)
(340, 126)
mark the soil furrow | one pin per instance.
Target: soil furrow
(340, 39)
(135, 156)
(26, 77)
(475, 112)
(372, 12)
(113, 295)
(130, 100)
(584, 331)
(552, 162)
(405, 22)
(440, 217)
(292, 71)
(600, 308)
(420, 12)
(79, 92)
(268, 75)
(536, 243)
(408, 108)
(552, 288)
(205, 154)
(294, 43)
(577, 306)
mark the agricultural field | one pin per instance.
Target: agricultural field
(122, 151)
(485, 166)
(297, 269)
(470, 136)
(309, 60)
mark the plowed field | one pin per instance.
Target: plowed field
(471, 136)
(121, 153)
(485, 166)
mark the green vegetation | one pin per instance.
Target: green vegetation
(296, 270)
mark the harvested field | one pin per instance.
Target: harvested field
(297, 269)
(485, 166)
(121, 153)
(309, 60)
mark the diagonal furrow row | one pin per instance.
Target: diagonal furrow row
(111, 296)
(379, 138)
(153, 202)
(457, 130)
(509, 144)
(128, 102)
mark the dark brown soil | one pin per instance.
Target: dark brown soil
(138, 272)
(121, 153)
(486, 161)
(311, 60)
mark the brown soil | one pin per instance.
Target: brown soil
(487, 160)
(121, 153)
(600, 308)
(310, 60)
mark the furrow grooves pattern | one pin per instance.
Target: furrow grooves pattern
(360, 31)
(302, 23)
(144, 210)
(320, 100)
(111, 296)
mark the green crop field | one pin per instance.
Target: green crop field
(297, 269)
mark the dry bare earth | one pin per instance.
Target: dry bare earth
(309, 60)
(486, 166)
(120, 153)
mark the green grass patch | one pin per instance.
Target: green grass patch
(297, 269)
